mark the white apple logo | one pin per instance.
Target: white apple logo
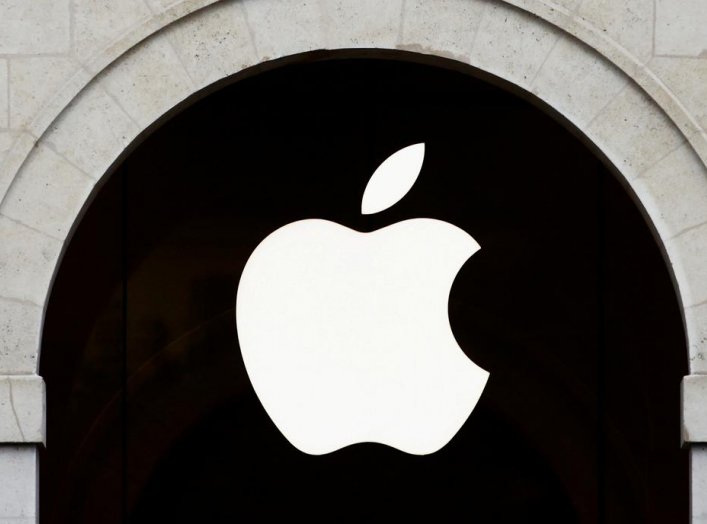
(345, 335)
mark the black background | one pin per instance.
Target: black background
(568, 304)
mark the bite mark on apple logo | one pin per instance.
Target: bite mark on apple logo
(345, 335)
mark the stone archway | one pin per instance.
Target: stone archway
(601, 94)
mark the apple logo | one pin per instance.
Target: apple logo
(345, 335)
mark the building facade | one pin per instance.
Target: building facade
(82, 80)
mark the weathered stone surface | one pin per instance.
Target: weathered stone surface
(98, 23)
(698, 479)
(633, 132)
(27, 260)
(14, 148)
(92, 132)
(448, 29)
(213, 44)
(34, 81)
(33, 27)
(569, 5)
(696, 323)
(150, 82)
(4, 95)
(675, 187)
(680, 27)
(284, 27)
(21, 409)
(577, 81)
(687, 79)
(512, 44)
(688, 252)
(47, 193)
(362, 23)
(18, 490)
(7, 138)
(162, 5)
(694, 414)
(20, 323)
(629, 23)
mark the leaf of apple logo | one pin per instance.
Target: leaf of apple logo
(393, 179)
(345, 335)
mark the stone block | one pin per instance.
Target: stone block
(22, 409)
(284, 27)
(161, 5)
(18, 489)
(577, 81)
(92, 132)
(698, 488)
(34, 26)
(7, 139)
(633, 132)
(14, 148)
(20, 325)
(688, 252)
(694, 408)
(512, 44)
(676, 187)
(34, 83)
(362, 23)
(629, 23)
(148, 81)
(48, 193)
(98, 23)
(686, 79)
(696, 326)
(447, 28)
(213, 43)
(27, 261)
(4, 95)
(680, 27)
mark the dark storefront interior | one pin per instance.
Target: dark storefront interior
(569, 305)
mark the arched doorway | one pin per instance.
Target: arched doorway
(580, 421)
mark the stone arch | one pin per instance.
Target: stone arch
(156, 74)
(539, 47)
